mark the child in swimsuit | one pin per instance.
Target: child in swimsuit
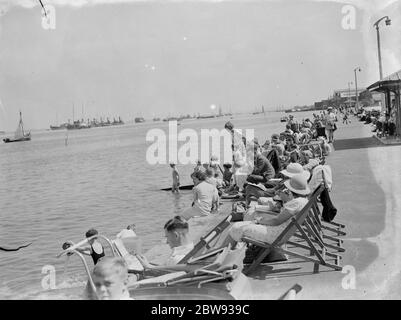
(176, 178)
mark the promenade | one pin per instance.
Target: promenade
(367, 193)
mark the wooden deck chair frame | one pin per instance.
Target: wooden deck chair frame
(204, 242)
(224, 266)
(315, 222)
(319, 256)
(319, 236)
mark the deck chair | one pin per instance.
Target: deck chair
(331, 226)
(225, 266)
(320, 236)
(317, 255)
(133, 264)
(208, 240)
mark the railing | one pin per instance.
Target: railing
(73, 249)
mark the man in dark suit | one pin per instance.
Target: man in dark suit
(263, 170)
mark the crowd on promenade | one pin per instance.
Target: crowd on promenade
(279, 174)
(383, 123)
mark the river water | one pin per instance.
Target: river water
(60, 184)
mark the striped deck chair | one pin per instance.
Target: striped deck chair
(209, 240)
(320, 235)
(317, 253)
(133, 264)
(226, 265)
(328, 232)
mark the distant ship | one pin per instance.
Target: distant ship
(78, 125)
(60, 127)
(139, 120)
(206, 116)
(156, 119)
(19, 134)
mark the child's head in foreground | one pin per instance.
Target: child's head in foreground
(110, 276)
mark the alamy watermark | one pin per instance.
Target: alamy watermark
(349, 280)
(165, 147)
(348, 21)
(49, 280)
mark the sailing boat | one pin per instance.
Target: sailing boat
(19, 134)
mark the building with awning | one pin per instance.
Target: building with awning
(391, 88)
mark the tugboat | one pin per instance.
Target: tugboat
(19, 134)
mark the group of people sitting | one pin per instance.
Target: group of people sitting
(282, 170)
(110, 274)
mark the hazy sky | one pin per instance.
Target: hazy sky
(155, 58)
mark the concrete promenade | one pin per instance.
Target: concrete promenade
(367, 193)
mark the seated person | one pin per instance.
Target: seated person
(263, 170)
(326, 149)
(95, 248)
(205, 197)
(291, 170)
(266, 148)
(214, 164)
(227, 174)
(176, 231)
(110, 277)
(268, 227)
(198, 166)
(277, 144)
(214, 180)
(288, 131)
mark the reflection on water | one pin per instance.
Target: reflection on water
(50, 193)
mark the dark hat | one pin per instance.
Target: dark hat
(90, 233)
(229, 125)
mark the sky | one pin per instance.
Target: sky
(158, 58)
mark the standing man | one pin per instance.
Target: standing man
(330, 124)
(240, 168)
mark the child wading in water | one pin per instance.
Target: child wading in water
(176, 178)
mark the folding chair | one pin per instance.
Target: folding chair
(206, 241)
(313, 220)
(319, 256)
(133, 264)
(225, 266)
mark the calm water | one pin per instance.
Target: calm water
(51, 192)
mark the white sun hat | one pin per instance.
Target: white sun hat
(294, 169)
(298, 184)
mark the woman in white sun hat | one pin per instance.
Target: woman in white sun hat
(291, 170)
(294, 169)
(267, 228)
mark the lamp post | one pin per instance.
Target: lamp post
(349, 94)
(376, 24)
(356, 87)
